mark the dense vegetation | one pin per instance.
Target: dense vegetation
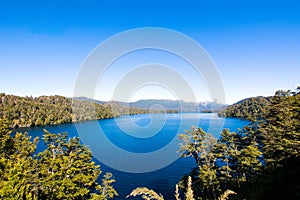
(262, 161)
(64, 170)
(48, 110)
(250, 108)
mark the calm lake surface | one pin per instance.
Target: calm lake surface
(141, 136)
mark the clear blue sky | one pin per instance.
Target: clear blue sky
(255, 44)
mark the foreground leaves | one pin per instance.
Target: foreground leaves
(64, 170)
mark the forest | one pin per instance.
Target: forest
(261, 161)
(250, 108)
(51, 110)
(254, 107)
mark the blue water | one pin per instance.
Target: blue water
(124, 146)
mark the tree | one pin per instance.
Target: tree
(281, 129)
(252, 108)
(17, 166)
(6, 142)
(64, 170)
(283, 93)
(68, 172)
(198, 144)
(223, 164)
(227, 152)
(44, 110)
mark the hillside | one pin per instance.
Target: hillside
(50, 110)
(249, 108)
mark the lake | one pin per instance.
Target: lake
(140, 150)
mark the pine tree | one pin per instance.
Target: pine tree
(198, 144)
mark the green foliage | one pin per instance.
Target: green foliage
(64, 170)
(6, 142)
(223, 164)
(50, 110)
(251, 108)
(106, 188)
(196, 143)
(17, 166)
(280, 129)
(277, 183)
(279, 134)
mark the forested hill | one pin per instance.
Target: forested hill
(250, 108)
(49, 110)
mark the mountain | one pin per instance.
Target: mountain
(211, 107)
(165, 104)
(180, 106)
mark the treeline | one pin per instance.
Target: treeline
(50, 110)
(250, 108)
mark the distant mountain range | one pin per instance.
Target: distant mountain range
(163, 104)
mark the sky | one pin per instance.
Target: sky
(255, 45)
